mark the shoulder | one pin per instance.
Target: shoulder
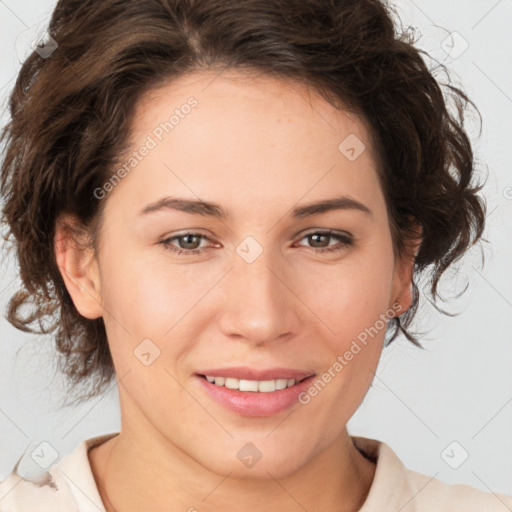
(433, 494)
(20, 495)
(396, 487)
(68, 486)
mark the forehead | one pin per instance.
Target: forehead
(251, 97)
(247, 138)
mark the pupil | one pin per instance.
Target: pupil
(187, 241)
(315, 238)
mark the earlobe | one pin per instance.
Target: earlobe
(78, 268)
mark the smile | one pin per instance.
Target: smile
(254, 398)
(261, 386)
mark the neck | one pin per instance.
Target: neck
(338, 478)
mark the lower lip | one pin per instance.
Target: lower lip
(256, 404)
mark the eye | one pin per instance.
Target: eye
(320, 241)
(188, 243)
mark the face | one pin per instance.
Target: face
(256, 281)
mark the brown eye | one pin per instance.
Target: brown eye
(319, 240)
(188, 243)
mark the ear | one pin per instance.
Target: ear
(404, 267)
(78, 266)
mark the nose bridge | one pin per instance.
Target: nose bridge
(257, 305)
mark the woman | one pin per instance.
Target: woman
(223, 205)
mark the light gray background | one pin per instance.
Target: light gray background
(459, 389)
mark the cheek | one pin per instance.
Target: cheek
(350, 296)
(150, 290)
(154, 299)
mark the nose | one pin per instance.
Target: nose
(257, 303)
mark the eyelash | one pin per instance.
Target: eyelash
(345, 240)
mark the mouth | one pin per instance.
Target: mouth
(255, 397)
(253, 386)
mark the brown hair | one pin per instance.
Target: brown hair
(71, 114)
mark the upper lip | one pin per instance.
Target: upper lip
(243, 372)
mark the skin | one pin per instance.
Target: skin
(258, 147)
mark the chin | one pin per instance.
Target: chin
(250, 461)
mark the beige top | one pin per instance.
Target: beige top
(70, 487)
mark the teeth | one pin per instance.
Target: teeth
(263, 386)
(283, 383)
(230, 383)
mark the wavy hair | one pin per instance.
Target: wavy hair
(70, 117)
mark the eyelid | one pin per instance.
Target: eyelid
(188, 233)
(322, 230)
(325, 231)
(167, 244)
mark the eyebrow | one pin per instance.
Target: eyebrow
(208, 209)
